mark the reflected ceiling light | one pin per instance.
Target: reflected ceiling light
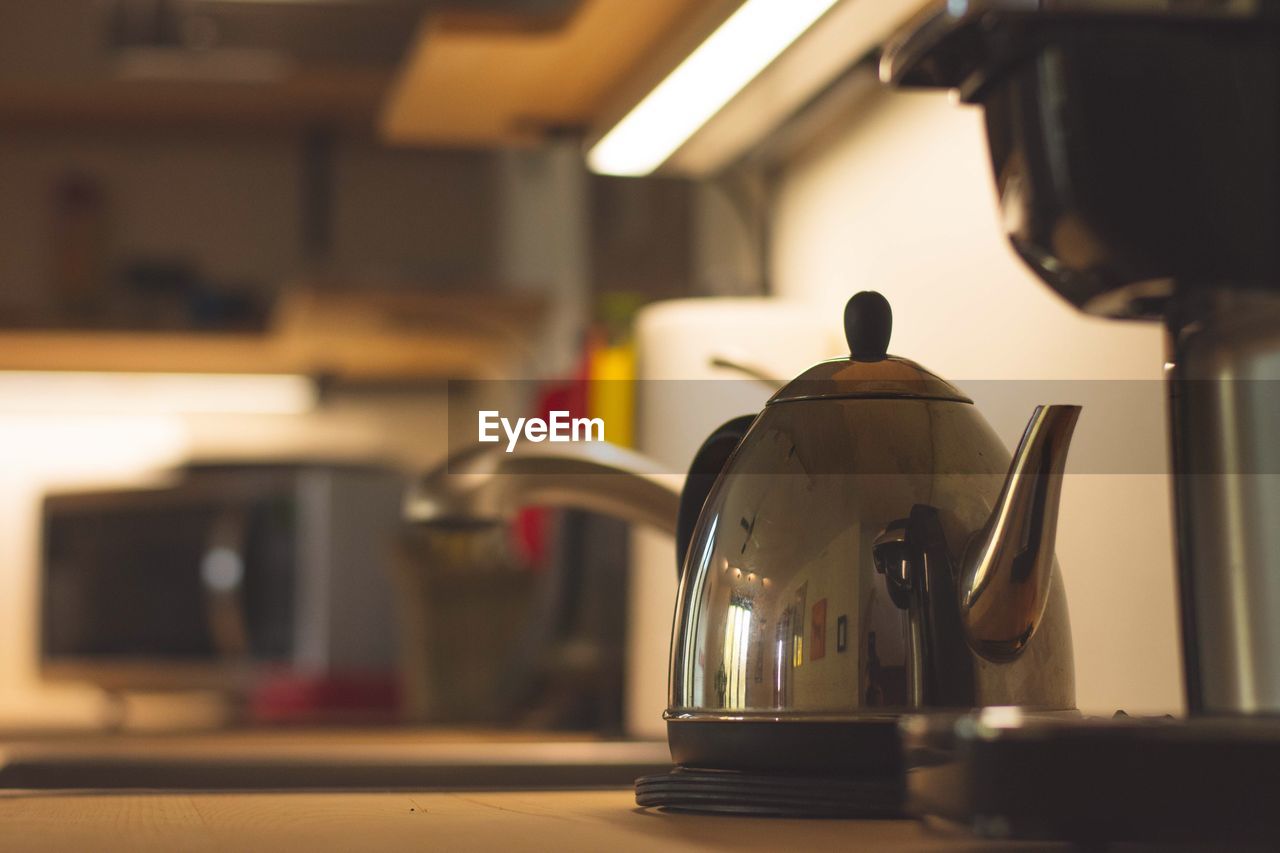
(705, 81)
(154, 393)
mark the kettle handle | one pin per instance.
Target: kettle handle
(707, 464)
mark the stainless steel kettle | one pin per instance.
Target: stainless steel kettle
(861, 548)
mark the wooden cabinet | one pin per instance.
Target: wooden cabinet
(465, 83)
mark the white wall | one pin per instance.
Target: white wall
(901, 201)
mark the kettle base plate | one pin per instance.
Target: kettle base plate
(854, 748)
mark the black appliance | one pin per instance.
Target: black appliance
(227, 575)
(1134, 150)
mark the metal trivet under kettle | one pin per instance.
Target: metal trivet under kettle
(739, 792)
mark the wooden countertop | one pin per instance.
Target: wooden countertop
(595, 820)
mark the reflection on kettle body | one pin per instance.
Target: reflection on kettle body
(733, 663)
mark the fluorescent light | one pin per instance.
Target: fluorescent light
(154, 393)
(729, 59)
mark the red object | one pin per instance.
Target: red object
(531, 529)
(818, 633)
(286, 697)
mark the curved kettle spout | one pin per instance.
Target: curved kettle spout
(1008, 565)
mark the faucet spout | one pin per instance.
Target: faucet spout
(484, 484)
(1008, 565)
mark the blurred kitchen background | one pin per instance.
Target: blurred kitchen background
(246, 244)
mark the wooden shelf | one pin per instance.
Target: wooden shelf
(351, 336)
(464, 84)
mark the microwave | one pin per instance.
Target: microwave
(227, 575)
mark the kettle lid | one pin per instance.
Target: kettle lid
(869, 371)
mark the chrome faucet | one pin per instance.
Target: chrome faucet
(485, 484)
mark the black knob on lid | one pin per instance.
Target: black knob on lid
(868, 322)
